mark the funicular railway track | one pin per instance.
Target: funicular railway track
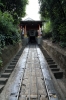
(30, 78)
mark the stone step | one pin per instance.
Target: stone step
(5, 75)
(18, 55)
(11, 67)
(55, 69)
(8, 70)
(13, 63)
(53, 66)
(1, 88)
(49, 60)
(58, 74)
(3, 80)
(16, 58)
(51, 63)
(46, 56)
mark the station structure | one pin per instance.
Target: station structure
(31, 28)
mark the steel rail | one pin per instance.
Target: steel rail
(37, 84)
(30, 84)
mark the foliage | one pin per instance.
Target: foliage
(62, 31)
(8, 31)
(11, 12)
(47, 29)
(47, 26)
(6, 23)
(1, 62)
(15, 6)
(55, 10)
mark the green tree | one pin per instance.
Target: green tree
(55, 10)
(16, 8)
(10, 13)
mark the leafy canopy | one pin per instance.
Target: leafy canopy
(55, 10)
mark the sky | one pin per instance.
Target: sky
(32, 10)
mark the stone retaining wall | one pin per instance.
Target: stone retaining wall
(58, 55)
(9, 52)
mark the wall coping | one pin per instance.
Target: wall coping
(58, 48)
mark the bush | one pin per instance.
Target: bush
(7, 28)
(8, 31)
(62, 44)
(62, 31)
(1, 62)
(6, 23)
(47, 31)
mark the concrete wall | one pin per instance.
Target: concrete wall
(56, 53)
(9, 52)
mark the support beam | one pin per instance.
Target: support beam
(25, 30)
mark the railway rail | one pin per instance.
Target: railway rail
(28, 78)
